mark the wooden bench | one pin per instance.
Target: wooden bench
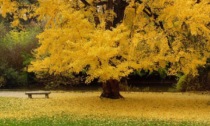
(46, 93)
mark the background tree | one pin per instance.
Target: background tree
(17, 39)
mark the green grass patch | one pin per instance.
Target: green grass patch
(69, 120)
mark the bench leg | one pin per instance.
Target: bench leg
(29, 95)
(46, 96)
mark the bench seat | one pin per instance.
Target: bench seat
(30, 93)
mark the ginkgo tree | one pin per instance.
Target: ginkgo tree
(110, 39)
(18, 11)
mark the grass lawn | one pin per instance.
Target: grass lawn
(86, 108)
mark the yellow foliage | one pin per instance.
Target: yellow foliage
(179, 35)
(18, 10)
(7, 6)
(138, 105)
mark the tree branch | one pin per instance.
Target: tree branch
(85, 2)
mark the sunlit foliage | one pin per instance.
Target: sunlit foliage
(171, 34)
(17, 11)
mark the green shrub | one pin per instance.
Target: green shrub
(16, 53)
(200, 82)
(56, 81)
(204, 76)
(189, 83)
(16, 47)
(3, 29)
(2, 81)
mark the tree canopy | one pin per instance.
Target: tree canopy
(110, 39)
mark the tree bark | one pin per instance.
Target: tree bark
(111, 89)
(119, 9)
(109, 23)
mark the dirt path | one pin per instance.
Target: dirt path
(17, 94)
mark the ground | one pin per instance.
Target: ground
(163, 106)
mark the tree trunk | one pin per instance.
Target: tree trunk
(111, 89)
